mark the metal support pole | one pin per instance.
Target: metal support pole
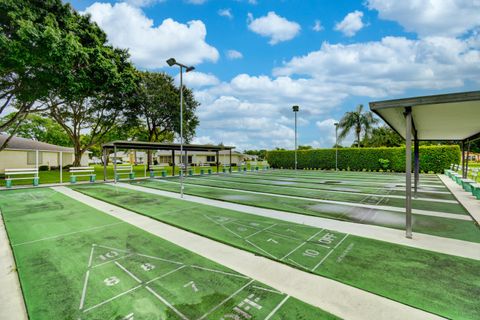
(105, 150)
(181, 129)
(295, 140)
(463, 159)
(61, 166)
(173, 163)
(216, 160)
(36, 159)
(336, 146)
(115, 163)
(230, 167)
(416, 161)
(408, 171)
(466, 162)
(186, 163)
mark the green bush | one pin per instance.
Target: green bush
(432, 158)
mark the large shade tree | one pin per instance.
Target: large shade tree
(359, 121)
(382, 137)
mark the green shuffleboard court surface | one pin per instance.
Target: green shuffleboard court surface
(279, 181)
(344, 196)
(438, 283)
(75, 262)
(438, 226)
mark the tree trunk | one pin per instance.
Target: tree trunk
(358, 139)
(78, 153)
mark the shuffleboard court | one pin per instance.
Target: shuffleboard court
(438, 226)
(441, 284)
(393, 191)
(75, 262)
(452, 206)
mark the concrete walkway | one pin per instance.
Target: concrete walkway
(344, 203)
(423, 241)
(470, 203)
(12, 305)
(337, 298)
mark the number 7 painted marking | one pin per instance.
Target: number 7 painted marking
(193, 285)
(272, 240)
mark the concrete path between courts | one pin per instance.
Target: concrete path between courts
(467, 200)
(342, 300)
(12, 305)
(423, 241)
(344, 203)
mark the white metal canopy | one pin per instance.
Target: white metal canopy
(454, 116)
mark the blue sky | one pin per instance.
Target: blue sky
(255, 59)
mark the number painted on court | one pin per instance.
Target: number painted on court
(111, 281)
(147, 266)
(192, 285)
(311, 253)
(272, 240)
(109, 255)
(327, 238)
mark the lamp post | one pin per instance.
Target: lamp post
(171, 62)
(336, 145)
(295, 110)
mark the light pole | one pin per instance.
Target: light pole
(336, 145)
(171, 62)
(295, 110)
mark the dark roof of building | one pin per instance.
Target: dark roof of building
(164, 146)
(29, 144)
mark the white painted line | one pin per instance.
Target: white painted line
(315, 234)
(113, 298)
(253, 244)
(166, 274)
(350, 204)
(115, 249)
(221, 225)
(450, 246)
(91, 256)
(266, 289)
(221, 272)
(67, 234)
(168, 304)
(157, 258)
(128, 272)
(297, 264)
(226, 299)
(84, 291)
(110, 261)
(271, 226)
(298, 247)
(340, 241)
(277, 307)
(324, 258)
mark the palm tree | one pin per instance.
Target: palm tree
(357, 120)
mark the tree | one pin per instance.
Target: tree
(156, 106)
(357, 120)
(382, 137)
(40, 128)
(304, 147)
(32, 56)
(262, 154)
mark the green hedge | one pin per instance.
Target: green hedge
(432, 158)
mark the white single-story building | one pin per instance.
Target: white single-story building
(197, 158)
(23, 153)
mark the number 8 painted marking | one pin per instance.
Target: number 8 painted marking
(111, 281)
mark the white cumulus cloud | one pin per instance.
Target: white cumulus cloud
(227, 13)
(430, 18)
(150, 45)
(317, 26)
(195, 79)
(234, 54)
(276, 28)
(351, 24)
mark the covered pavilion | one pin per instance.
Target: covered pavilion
(452, 117)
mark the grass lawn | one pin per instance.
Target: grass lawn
(444, 227)
(75, 262)
(438, 283)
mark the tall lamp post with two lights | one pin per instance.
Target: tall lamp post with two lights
(172, 62)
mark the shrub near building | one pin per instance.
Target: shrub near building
(432, 158)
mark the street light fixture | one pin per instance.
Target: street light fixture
(295, 110)
(336, 145)
(172, 62)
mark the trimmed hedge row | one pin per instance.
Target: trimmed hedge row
(432, 158)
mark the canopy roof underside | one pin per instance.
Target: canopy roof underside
(454, 116)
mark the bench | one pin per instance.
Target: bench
(125, 170)
(18, 174)
(205, 166)
(76, 172)
(158, 168)
(226, 167)
(184, 169)
(471, 185)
